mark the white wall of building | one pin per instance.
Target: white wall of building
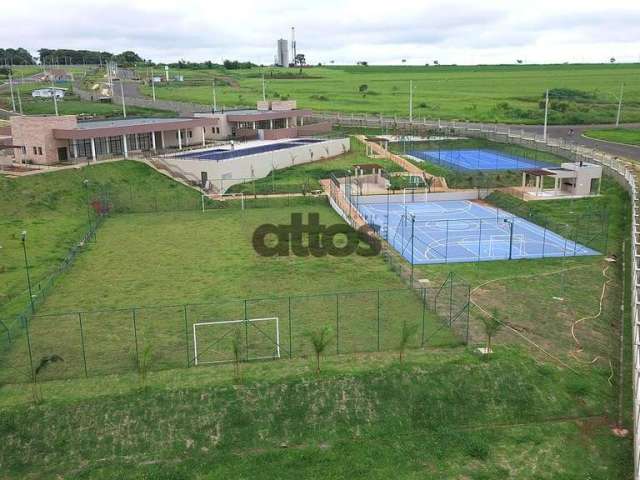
(229, 172)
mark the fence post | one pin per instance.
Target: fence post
(337, 324)
(424, 307)
(468, 310)
(290, 334)
(33, 374)
(135, 336)
(246, 331)
(84, 357)
(378, 318)
(451, 300)
(186, 334)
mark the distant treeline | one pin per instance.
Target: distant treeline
(63, 56)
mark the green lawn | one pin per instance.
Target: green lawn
(438, 415)
(507, 93)
(304, 178)
(52, 208)
(620, 135)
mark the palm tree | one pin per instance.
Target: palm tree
(320, 340)
(44, 363)
(236, 348)
(406, 333)
(492, 325)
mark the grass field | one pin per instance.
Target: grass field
(438, 415)
(509, 93)
(619, 135)
(70, 105)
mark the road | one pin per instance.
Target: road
(562, 131)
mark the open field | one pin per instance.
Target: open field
(70, 105)
(52, 208)
(444, 415)
(508, 93)
(620, 135)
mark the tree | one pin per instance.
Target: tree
(300, 60)
(43, 365)
(144, 362)
(612, 60)
(236, 349)
(15, 56)
(492, 325)
(406, 333)
(320, 340)
(519, 62)
(363, 63)
(404, 60)
(128, 58)
(435, 62)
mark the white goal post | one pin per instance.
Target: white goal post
(272, 343)
(223, 197)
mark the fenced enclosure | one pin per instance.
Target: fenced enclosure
(462, 231)
(478, 159)
(113, 341)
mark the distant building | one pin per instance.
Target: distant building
(49, 92)
(55, 75)
(283, 53)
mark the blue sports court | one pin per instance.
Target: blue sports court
(478, 160)
(463, 231)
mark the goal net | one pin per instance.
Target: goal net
(250, 339)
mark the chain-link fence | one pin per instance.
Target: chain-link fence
(177, 336)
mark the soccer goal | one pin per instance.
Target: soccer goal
(223, 197)
(253, 339)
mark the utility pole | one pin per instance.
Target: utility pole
(410, 101)
(13, 100)
(153, 86)
(18, 94)
(619, 105)
(55, 97)
(546, 115)
(264, 92)
(124, 107)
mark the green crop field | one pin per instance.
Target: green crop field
(509, 93)
(619, 135)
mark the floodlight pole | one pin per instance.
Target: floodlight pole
(153, 86)
(619, 104)
(13, 100)
(23, 237)
(510, 222)
(413, 224)
(546, 115)
(124, 107)
(18, 94)
(55, 97)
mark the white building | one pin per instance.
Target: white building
(49, 92)
(283, 53)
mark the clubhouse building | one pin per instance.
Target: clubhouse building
(47, 140)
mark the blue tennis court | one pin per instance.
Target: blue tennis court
(226, 153)
(464, 231)
(478, 159)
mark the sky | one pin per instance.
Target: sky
(339, 31)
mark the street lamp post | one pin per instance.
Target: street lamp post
(23, 237)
